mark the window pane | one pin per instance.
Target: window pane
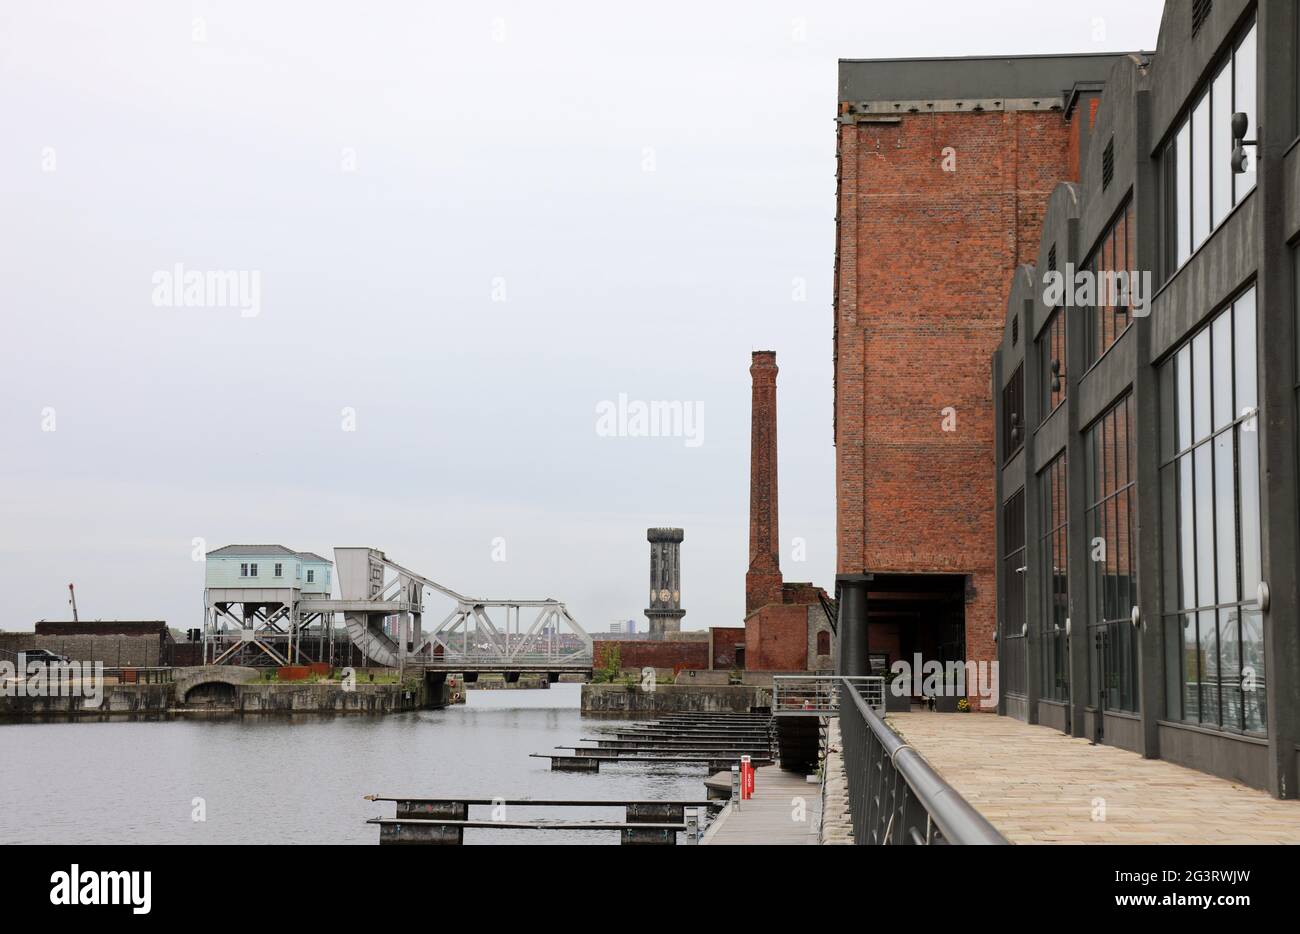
(1248, 474)
(1247, 442)
(1168, 410)
(1243, 311)
(1169, 536)
(1201, 385)
(1130, 450)
(1221, 154)
(1221, 340)
(1243, 64)
(1252, 663)
(1225, 511)
(1230, 668)
(1120, 297)
(1183, 400)
(1121, 447)
(1208, 625)
(1123, 577)
(1130, 217)
(1131, 668)
(1182, 196)
(1131, 568)
(1204, 526)
(1191, 669)
(1200, 171)
(1094, 569)
(1187, 532)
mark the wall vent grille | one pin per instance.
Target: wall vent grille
(1200, 13)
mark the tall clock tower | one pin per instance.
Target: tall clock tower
(665, 611)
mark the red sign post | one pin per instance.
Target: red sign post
(746, 778)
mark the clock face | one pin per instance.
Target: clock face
(653, 596)
(677, 595)
(664, 594)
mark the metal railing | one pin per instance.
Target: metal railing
(128, 674)
(819, 695)
(895, 797)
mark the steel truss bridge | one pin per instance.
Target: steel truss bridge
(383, 608)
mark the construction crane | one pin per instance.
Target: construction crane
(72, 598)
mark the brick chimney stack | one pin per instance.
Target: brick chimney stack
(763, 580)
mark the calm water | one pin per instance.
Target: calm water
(271, 780)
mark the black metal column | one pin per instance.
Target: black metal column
(1146, 403)
(999, 523)
(1033, 583)
(851, 591)
(1076, 337)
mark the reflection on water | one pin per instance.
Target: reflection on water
(267, 779)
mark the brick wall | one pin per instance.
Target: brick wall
(776, 638)
(113, 651)
(722, 646)
(925, 258)
(656, 654)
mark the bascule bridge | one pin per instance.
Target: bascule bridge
(270, 605)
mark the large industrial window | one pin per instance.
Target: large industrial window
(1054, 578)
(1111, 494)
(1012, 671)
(1051, 364)
(1213, 629)
(1114, 254)
(1197, 163)
(1013, 414)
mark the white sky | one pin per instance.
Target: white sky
(504, 140)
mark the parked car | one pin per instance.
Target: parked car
(44, 657)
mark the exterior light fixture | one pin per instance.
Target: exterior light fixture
(1136, 617)
(1056, 376)
(1262, 595)
(1240, 124)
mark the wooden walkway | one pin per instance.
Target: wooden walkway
(772, 816)
(1037, 785)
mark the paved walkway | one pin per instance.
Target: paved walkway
(773, 815)
(1037, 785)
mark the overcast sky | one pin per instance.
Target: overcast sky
(471, 224)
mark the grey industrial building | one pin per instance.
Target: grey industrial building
(1146, 450)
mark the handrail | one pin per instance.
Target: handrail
(926, 803)
(818, 694)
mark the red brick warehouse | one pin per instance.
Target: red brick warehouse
(945, 168)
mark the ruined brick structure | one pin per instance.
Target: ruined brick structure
(786, 625)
